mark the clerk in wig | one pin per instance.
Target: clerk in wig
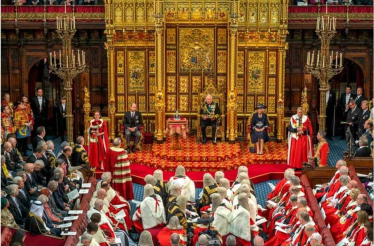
(98, 141)
(299, 139)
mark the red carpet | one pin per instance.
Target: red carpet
(199, 159)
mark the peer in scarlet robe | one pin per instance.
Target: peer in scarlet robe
(164, 235)
(281, 237)
(119, 164)
(344, 222)
(98, 142)
(357, 234)
(320, 192)
(300, 145)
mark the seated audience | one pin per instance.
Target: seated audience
(7, 218)
(40, 131)
(151, 213)
(15, 152)
(38, 153)
(10, 160)
(18, 211)
(364, 149)
(48, 214)
(51, 157)
(23, 195)
(79, 156)
(34, 222)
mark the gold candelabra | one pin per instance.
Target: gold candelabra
(70, 64)
(322, 65)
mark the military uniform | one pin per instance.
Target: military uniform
(321, 154)
(210, 111)
(79, 156)
(51, 158)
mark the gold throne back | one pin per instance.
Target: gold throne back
(219, 98)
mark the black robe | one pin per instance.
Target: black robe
(34, 224)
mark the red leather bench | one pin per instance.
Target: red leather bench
(317, 216)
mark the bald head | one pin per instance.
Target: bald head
(258, 241)
(203, 240)
(99, 204)
(174, 239)
(101, 193)
(29, 167)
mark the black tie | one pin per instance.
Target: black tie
(132, 114)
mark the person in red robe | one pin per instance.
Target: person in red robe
(300, 145)
(173, 226)
(321, 156)
(119, 165)
(98, 142)
(356, 232)
(283, 185)
(7, 120)
(7, 102)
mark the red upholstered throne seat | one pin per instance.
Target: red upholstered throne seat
(6, 236)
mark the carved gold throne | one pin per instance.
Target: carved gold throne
(217, 98)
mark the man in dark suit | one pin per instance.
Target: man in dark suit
(18, 211)
(345, 97)
(352, 113)
(40, 131)
(364, 117)
(31, 185)
(39, 106)
(61, 118)
(330, 105)
(359, 96)
(132, 121)
(23, 195)
(10, 162)
(38, 153)
(52, 186)
(364, 150)
(368, 130)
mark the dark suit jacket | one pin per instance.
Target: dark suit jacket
(353, 117)
(18, 217)
(137, 121)
(363, 152)
(24, 199)
(61, 120)
(30, 183)
(10, 162)
(39, 178)
(359, 100)
(67, 161)
(4, 181)
(43, 114)
(58, 200)
(31, 159)
(35, 142)
(53, 205)
(364, 117)
(342, 101)
(331, 102)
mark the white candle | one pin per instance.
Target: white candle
(79, 60)
(341, 59)
(67, 62)
(336, 60)
(50, 58)
(317, 59)
(312, 58)
(54, 54)
(60, 57)
(84, 57)
(330, 61)
(65, 7)
(317, 23)
(323, 61)
(323, 24)
(74, 21)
